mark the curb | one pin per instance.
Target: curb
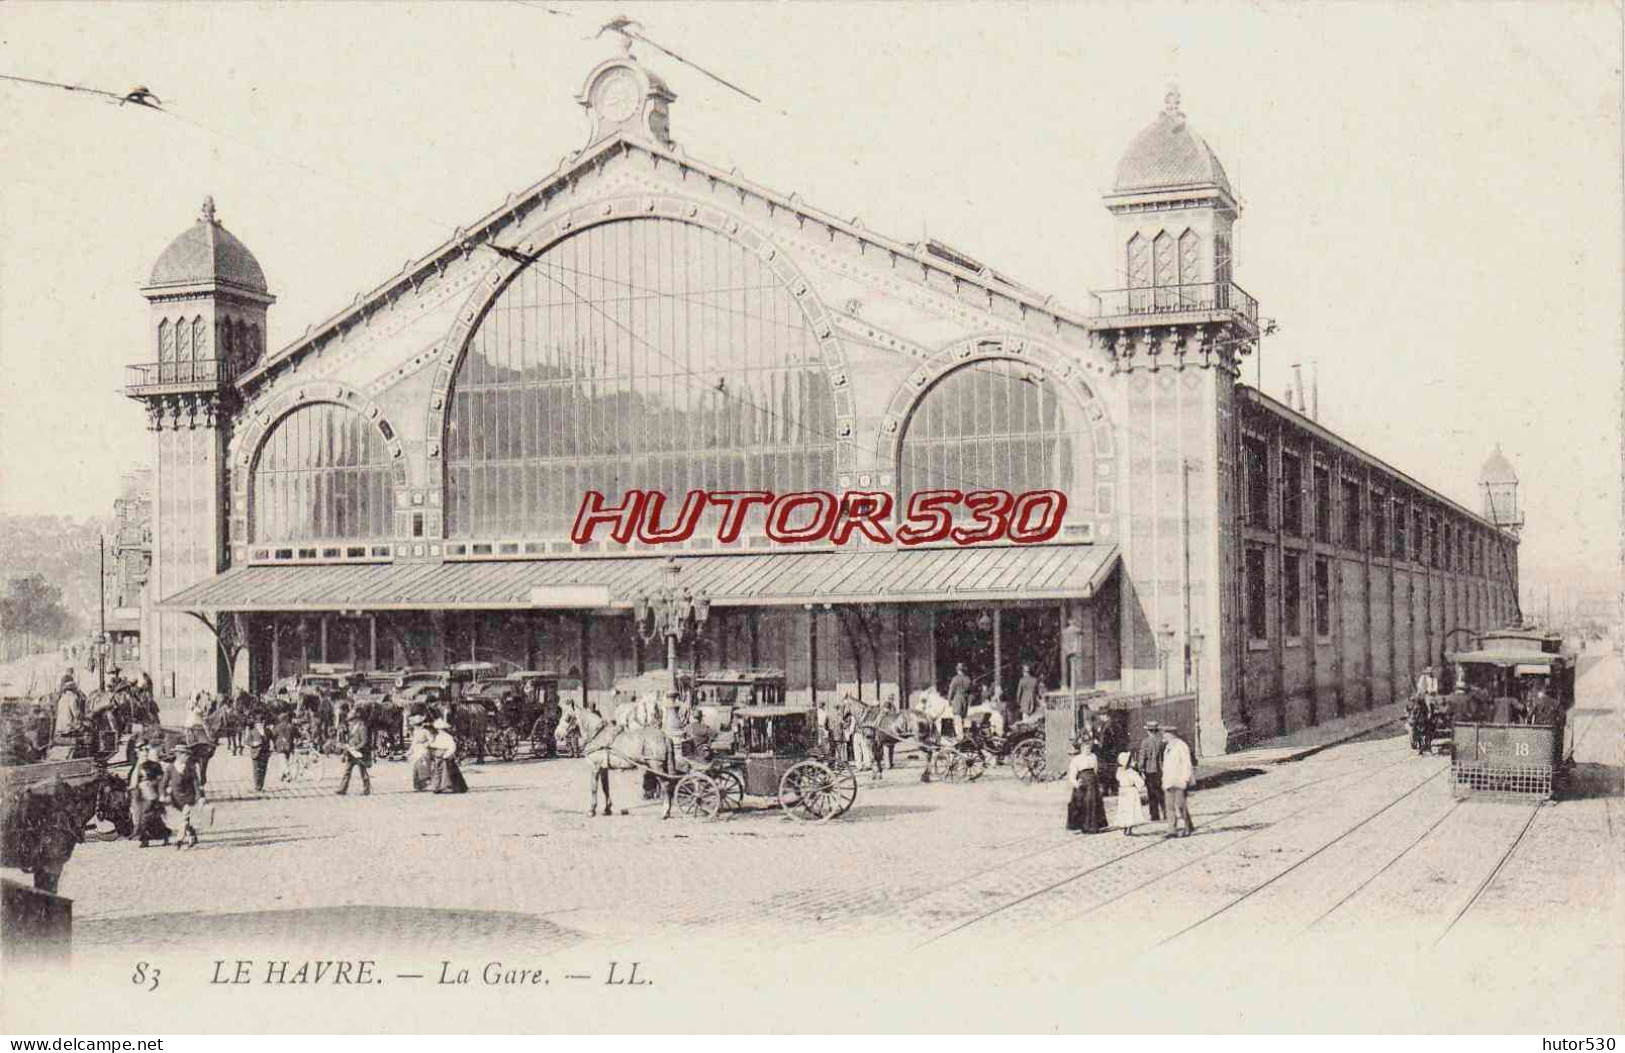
(1292, 758)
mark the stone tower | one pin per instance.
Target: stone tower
(1499, 482)
(207, 300)
(1175, 327)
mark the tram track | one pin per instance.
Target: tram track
(1356, 769)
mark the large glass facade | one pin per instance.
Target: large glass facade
(643, 354)
(323, 474)
(998, 425)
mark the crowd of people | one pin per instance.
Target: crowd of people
(1153, 780)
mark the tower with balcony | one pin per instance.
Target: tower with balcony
(1499, 481)
(1176, 326)
(207, 300)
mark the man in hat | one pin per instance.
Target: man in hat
(1428, 683)
(959, 691)
(1148, 762)
(183, 790)
(357, 751)
(1026, 693)
(1178, 776)
(260, 742)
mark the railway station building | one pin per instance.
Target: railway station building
(397, 486)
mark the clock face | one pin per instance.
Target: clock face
(618, 96)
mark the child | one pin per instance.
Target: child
(149, 818)
(1130, 785)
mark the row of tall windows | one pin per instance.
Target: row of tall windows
(323, 474)
(1167, 269)
(1392, 530)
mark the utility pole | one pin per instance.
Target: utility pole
(101, 636)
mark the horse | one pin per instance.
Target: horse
(886, 728)
(567, 733)
(45, 821)
(468, 722)
(610, 747)
(934, 706)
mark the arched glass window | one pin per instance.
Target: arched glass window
(200, 340)
(1165, 270)
(1190, 262)
(322, 474)
(998, 425)
(1139, 271)
(644, 354)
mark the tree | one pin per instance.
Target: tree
(33, 610)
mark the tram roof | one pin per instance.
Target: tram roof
(1507, 658)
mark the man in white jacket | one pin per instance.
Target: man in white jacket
(1178, 774)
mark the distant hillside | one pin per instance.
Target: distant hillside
(63, 550)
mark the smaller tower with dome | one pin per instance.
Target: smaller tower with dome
(1499, 481)
(207, 300)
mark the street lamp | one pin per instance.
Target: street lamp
(1072, 648)
(670, 612)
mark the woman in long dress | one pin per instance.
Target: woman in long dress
(419, 755)
(1085, 813)
(1130, 785)
(448, 777)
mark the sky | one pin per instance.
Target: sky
(1431, 191)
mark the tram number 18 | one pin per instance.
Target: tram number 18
(1516, 749)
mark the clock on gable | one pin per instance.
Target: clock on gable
(622, 98)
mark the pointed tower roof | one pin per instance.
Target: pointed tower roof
(207, 253)
(1168, 155)
(1497, 471)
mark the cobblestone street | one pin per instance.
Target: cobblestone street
(1355, 863)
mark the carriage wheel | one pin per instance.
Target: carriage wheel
(948, 764)
(733, 788)
(845, 790)
(1029, 761)
(698, 796)
(507, 744)
(808, 791)
(975, 765)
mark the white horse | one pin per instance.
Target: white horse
(935, 707)
(638, 713)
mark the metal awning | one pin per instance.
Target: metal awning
(1027, 572)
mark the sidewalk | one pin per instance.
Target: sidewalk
(1299, 744)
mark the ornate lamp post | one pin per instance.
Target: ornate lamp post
(1165, 648)
(670, 611)
(1072, 648)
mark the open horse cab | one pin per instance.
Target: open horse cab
(773, 755)
(1510, 735)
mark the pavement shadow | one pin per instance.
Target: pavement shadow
(1589, 780)
(865, 812)
(1226, 777)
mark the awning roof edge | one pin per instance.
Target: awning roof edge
(1031, 572)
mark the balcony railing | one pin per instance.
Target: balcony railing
(1198, 298)
(192, 373)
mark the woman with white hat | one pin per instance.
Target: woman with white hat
(419, 754)
(448, 777)
(1130, 788)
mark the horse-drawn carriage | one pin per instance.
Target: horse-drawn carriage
(774, 754)
(1022, 744)
(523, 707)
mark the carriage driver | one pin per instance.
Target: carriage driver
(70, 710)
